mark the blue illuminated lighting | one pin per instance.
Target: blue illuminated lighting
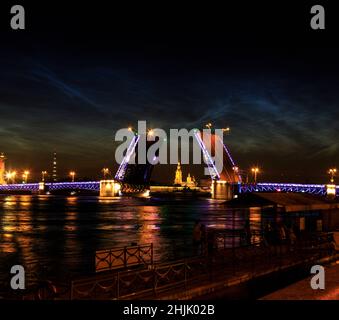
(87, 185)
(319, 189)
(210, 163)
(229, 156)
(123, 166)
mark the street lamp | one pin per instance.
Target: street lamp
(25, 176)
(105, 172)
(43, 173)
(332, 173)
(10, 176)
(226, 129)
(72, 174)
(208, 125)
(255, 172)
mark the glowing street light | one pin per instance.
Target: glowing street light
(332, 172)
(130, 129)
(10, 176)
(226, 129)
(150, 132)
(25, 176)
(105, 172)
(43, 173)
(255, 171)
(208, 125)
(72, 174)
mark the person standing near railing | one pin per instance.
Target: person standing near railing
(291, 238)
(210, 242)
(248, 233)
(203, 240)
(196, 237)
(282, 233)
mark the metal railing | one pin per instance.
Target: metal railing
(124, 257)
(284, 187)
(181, 275)
(146, 282)
(178, 277)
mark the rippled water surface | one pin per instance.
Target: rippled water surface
(62, 233)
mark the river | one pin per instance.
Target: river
(60, 234)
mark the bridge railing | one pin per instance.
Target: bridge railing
(79, 185)
(22, 186)
(283, 187)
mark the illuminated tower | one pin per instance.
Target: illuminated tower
(54, 171)
(178, 175)
(2, 168)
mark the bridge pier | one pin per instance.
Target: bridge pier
(222, 190)
(109, 188)
(331, 191)
(42, 188)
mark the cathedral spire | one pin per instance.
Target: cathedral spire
(178, 175)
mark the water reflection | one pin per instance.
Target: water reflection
(62, 233)
(149, 226)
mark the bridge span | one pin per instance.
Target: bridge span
(52, 186)
(318, 189)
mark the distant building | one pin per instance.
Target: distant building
(305, 212)
(2, 168)
(190, 181)
(54, 170)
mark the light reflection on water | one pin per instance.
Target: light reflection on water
(62, 233)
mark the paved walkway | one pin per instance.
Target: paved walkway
(302, 290)
(226, 277)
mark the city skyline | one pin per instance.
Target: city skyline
(19, 174)
(71, 91)
(169, 152)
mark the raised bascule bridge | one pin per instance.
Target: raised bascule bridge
(133, 178)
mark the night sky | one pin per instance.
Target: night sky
(69, 81)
